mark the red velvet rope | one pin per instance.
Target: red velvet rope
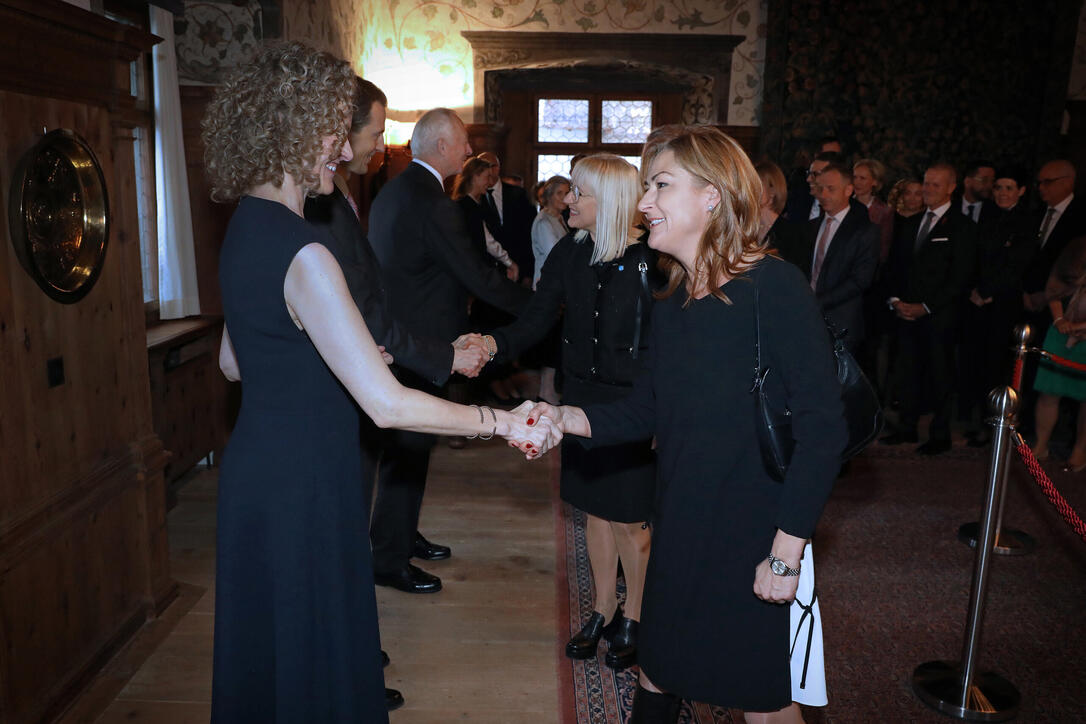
(1016, 379)
(1045, 484)
(1063, 362)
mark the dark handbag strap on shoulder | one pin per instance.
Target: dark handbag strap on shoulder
(642, 304)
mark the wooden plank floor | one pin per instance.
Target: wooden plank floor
(482, 650)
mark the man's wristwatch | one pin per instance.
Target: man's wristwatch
(781, 568)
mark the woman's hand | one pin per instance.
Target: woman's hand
(567, 418)
(770, 587)
(1063, 326)
(385, 355)
(533, 440)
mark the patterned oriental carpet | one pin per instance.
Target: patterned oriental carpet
(894, 586)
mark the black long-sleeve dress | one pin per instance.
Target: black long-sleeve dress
(704, 635)
(605, 332)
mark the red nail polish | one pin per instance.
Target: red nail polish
(531, 421)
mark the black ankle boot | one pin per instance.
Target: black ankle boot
(584, 642)
(652, 708)
(623, 650)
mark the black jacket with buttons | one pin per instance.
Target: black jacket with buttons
(607, 310)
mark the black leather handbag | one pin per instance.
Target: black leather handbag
(773, 418)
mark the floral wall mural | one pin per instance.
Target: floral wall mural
(414, 50)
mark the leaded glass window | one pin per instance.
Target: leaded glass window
(625, 121)
(563, 120)
(552, 164)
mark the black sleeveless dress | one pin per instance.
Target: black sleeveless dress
(295, 614)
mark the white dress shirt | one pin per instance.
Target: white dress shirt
(431, 169)
(837, 219)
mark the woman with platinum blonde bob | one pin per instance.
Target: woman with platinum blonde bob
(722, 527)
(604, 275)
(295, 614)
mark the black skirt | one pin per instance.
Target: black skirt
(615, 482)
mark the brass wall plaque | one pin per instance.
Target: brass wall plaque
(58, 213)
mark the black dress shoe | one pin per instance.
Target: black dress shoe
(385, 661)
(934, 447)
(409, 579)
(623, 650)
(393, 699)
(584, 642)
(428, 551)
(899, 438)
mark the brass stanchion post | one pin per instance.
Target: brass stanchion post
(1009, 541)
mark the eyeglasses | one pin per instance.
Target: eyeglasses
(1054, 179)
(576, 192)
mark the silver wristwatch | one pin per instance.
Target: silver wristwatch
(781, 568)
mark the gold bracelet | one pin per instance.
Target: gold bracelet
(487, 341)
(495, 418)
(481, 419)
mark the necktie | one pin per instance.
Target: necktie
(1044, 226)
(820, 250)
(972, 212)
(929, 218)
(493, 205)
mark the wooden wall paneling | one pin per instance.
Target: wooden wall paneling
(83, 557)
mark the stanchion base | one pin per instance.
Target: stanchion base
(1011, 542)
(992, 698)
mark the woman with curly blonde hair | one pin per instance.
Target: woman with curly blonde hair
(722, 527)
(295, 615)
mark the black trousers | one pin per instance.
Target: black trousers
(926, 354)
(401, 482)
(987, 356)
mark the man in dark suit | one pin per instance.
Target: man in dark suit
(430, 268)
(802, 204)
(514, 212)
(844, 253)
(975, 201)
(930, 266)
(1062, 218)
(433, 359)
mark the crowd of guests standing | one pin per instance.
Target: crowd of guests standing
(929, 284)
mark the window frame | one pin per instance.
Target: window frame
(140, 120)
(595, 125)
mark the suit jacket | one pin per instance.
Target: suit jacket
(938, 273)
(476, 218)
(515, 234)
(428, 358)
(1072, 223)
(428, 259)
(848, 269)
(788, 239)
(1007, 243)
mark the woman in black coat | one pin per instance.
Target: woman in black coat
(723, 529)
(1008, 243)
(604, 277)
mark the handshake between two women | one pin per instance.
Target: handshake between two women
(538, 427)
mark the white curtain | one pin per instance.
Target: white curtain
(177, 290)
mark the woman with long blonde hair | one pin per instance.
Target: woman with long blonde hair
(722, 527)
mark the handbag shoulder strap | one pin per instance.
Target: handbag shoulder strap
(759, 373)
